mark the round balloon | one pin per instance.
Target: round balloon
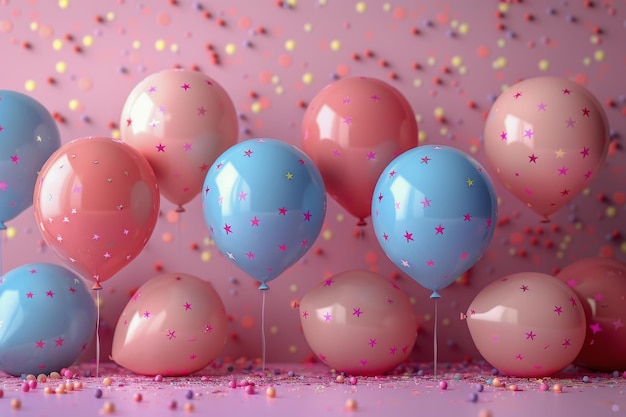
(547, 138)
(601, 285)
(434, 214)
(47, 319)
(96, 205)
(180, 121)
(527, 324)
(28, 136)
(351, 130)
(358, 322)
(264, 203)
(174, 324)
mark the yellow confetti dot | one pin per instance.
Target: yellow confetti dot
(543, 64)
(443, 131)
(87, 40)
(293, 349)
(136, 44)
(290, 44)
(623, 247)
(11, 232)
(34, 26)
(279, 90)
(29, 85)
(292, 3)
(417, 82)
(274, 330)
(308, 27)
(501, 42)
(57, 44)
(361, 7)
(340, 217)
(427, 317)
(445, 321)
(327, 234)
(159, 44)
(115, 134)
(174, 47)
(206, 256)
(586, 61)
(64, 4)
(431, 60)
(439, 112)
(413, 300)
(110, 16)
(456, 61)
(503, 7)
(499, 63)
(586, 192)
(256, 107)
(335, 45)
(599, 55)
(594, 39)
(293, 287)
(611, 212)
(275, 79)
(60, 67)
(386, 7)
(230, 48)
(421, 136)
(307, 78)
(463, 70)
(463, 28)
(454, 24)
(74, 104)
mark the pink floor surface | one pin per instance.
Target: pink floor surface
(314, 390)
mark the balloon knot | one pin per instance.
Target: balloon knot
(96, 286)
(435, 294)
(263, 286)
(361, 222)
(180, 209)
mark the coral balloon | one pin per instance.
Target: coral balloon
(601, 285)
(547, 138)
(96, 204)
(174, 324)
(358, 322)
(180, 121)
(351, 130)
(434, 214)
(28, 136)
(264, 204)
(48, 318)
(527, 324)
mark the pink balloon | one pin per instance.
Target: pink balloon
(96, 203)
(359, 323)
(546, 138)
(175, 324)
(181, 121)
(352, 130)
(601, 285)
(527, 324)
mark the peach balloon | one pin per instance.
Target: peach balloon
(174, 324)
(601, 285)
(96, 202)
(181, 121)
(352, 130)
(527, 324)
(358, 322)
(546, 139)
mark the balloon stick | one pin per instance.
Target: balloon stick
(435, 295)
(97, 333)
(263, 331)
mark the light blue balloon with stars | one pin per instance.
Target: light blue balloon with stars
(28, 136)
(47, 319)
(264, 203)
(434, 212)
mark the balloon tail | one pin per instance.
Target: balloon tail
(361, 222)
(180, 209)
(98, 333)
(96, 286)
(263, 286)
(545, 219)
(263, 333)
(435, 339)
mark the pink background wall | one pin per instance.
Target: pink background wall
(82, 58)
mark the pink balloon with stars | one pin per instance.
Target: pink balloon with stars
(358, 322)
(546, 138)
(174, 324)
(527, 324)
(181, 121)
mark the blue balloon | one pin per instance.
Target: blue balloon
(47, 319)
(264, 203)
(434, 214)
(28, 136)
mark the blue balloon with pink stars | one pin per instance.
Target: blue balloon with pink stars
(47, 319)
(434, 213)
(264, 203)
